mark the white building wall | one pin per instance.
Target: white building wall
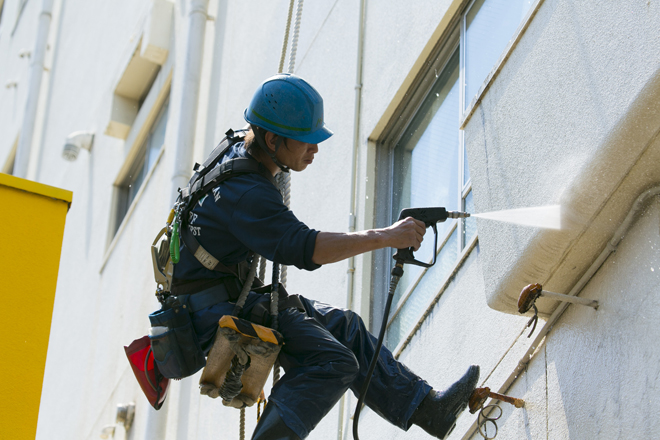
(602, 366)
(578, 383)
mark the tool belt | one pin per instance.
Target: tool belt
(200, 295)
(176, 348)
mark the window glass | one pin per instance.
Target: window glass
(157, 136)
(424, 293)
(425, 162)
(489, 25)
(430, 164)
(143, 164)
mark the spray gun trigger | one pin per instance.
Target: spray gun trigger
(406, 255)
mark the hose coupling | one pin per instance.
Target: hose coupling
(457, 214)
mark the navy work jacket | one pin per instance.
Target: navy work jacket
(245, 213)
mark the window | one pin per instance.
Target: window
(487, 27)
(8, 167)
(426, 159)
(141, 70)
(144, 161)
(2, 7)
(130, 93)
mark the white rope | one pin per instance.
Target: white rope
(284, 180)
(262, 268)
(247, 286)
(296, 33)
(286, 37)
(241, 433)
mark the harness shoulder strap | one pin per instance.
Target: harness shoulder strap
(207, 177)
(216, 155)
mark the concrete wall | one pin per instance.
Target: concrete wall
(575, 80)
(568, 116)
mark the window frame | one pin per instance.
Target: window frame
(471, 106)
(10, 161)
(146, 118)
(404, 116)
(138, 165)
(453, 39)
(2, 7)
(451, 46)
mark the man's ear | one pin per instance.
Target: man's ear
(271, 140)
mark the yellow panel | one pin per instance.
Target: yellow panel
(36, 188)
(32, 227)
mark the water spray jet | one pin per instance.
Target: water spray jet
(548, 217)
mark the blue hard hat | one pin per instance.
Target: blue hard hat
(288, 106)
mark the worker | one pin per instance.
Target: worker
(326, 349)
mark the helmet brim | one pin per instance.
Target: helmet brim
(316, 137)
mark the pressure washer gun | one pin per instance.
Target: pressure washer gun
(430, 216)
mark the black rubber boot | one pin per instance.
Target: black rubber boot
(272, 427)
(438, 411)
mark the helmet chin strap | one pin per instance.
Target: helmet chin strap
(259, 135)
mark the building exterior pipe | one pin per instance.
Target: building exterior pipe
(356, 150)
(352, 215)
(188, 88)
(35, 74)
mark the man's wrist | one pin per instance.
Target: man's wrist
(378, 237)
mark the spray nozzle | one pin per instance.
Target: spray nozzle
(457, 214)
(431, 216)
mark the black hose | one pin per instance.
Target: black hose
(397, 272)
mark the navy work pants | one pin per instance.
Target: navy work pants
(326, 351)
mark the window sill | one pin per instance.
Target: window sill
(499, 65)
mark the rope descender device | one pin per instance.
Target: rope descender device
(163, 257)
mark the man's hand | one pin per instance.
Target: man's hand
(405, 233)
(336, 246)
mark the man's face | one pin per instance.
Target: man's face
(296, 155)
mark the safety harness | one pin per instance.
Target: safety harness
(206, 177)
(239, 344)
